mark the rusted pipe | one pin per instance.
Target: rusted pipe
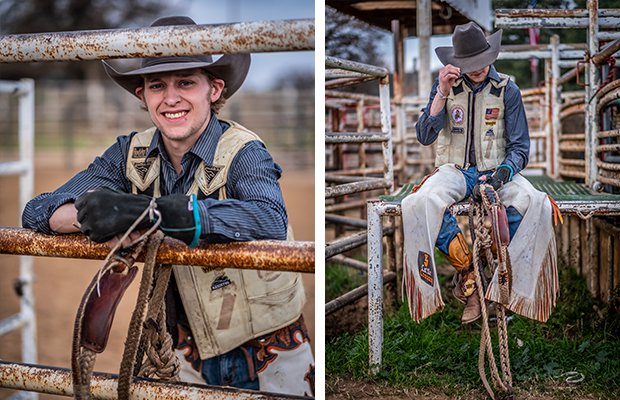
(354, 295)
(186, 40)
(57, 381)
(262, 255)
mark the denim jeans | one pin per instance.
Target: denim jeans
(449, 227)
(230, 369)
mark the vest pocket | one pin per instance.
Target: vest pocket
(274, 303)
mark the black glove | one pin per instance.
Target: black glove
(177, 217)
(500, 177)
(104, 213)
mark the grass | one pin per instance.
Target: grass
(340, 279)
(439, 353)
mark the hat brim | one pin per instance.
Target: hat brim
(231, 68)
(473, 63)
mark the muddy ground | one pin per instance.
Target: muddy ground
(60, 283)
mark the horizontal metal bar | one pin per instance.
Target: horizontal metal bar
(348, 205)
(346, 243)
(354, 295)
(377, 72)
(356, 187)
(57, 381)
(262, 255)
(343, 73)
(542, 12)
(11, 323)
(13, 168)
(604, 36)
(607, 147)
(554, 22)
(346, 178)
(349, 262)
(331, 138)
(159, 41)
(342, 82)
(567, 63)
(339, 219)
(599, 207)
(10, 86)
(352, 96)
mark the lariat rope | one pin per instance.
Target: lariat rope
(155, 342)
(482, 247)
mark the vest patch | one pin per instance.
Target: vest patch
(220, 282)
(491, 113)
(489, 133)
(457, 131)
(457, 114)
(142, 167)
(139, 152)
(425, 268)
(210, 172)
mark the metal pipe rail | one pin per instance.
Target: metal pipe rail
(159, 41)
(261, 255)
(542, 18)
(354, 295)
(57, 381)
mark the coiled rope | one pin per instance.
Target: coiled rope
(482, 248)
(147, 333)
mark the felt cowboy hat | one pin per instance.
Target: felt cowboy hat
(231, 68)
(470, 50)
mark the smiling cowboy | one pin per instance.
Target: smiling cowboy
(477, 118)
(214, 181)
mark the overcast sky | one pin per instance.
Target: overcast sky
(266, 67)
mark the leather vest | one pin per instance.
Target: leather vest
(481, 113)
(225, 307)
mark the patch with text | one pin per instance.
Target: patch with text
(425, 268)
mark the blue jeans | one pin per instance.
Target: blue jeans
(449, 227)
(230, 369)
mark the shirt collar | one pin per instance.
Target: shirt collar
(204, 146)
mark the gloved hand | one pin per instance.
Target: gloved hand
(500, 177)
(104, 213)
(177, 217)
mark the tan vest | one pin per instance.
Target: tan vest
(484, 115)
(225, 307)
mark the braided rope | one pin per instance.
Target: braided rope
(161, 361)
(138, 316)
(482, 243)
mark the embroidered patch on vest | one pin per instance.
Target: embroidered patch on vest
(489, 133)
(142, 167)
(139, 152)
(220, 282)
(491, 113)
(210, 172)
(457, 131)
(425, 268)
(457, 114)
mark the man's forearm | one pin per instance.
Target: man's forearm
(64, 219)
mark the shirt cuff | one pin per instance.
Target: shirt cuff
(437, 121)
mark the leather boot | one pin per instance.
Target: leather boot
(472, 309)
(464, 284)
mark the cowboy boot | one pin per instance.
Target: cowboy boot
(465, 283)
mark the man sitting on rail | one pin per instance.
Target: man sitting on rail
(214, 181)
(477, 117)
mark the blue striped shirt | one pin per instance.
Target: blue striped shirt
(254, 210)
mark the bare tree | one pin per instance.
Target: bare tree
(30, 16)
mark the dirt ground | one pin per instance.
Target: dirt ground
(60, 283)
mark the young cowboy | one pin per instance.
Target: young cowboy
(477, 118)
(214, 181)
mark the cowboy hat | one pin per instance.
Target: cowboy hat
(231, 68)
(470, 50)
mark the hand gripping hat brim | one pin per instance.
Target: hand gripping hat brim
(231, 68)
(471, 50)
